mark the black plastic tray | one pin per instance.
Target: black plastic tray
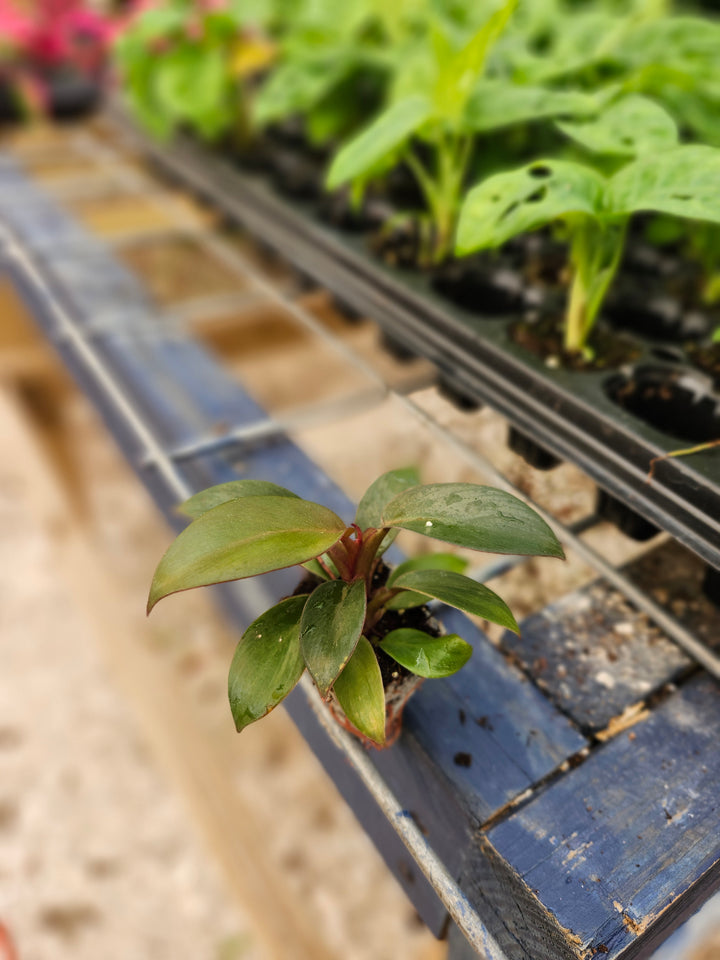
(565, 411)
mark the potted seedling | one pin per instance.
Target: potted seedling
(594, 210)
(343, 624)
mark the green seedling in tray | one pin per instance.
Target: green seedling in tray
(334, 627)
(682, 181)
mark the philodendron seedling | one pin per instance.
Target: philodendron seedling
(681, 181)
(334, 626)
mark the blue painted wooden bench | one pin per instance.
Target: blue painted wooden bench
(557, 846)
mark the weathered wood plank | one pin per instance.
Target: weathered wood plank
(615, 854)
(596, 655)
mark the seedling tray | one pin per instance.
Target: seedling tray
(567, 412)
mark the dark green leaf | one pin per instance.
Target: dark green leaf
(205, 500)
(389, 485)
(525, 199)
(459, 591)
(425, 655)
(382, 138)
(469, 515)
(426, 561)
(332, 622)
(683, 182)
(242, 538)
(267, 663)
(359, 690)
(630, 127)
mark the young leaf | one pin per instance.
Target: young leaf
(331, 625)
(381, 139)
(458, 591)
(242, 538)
(470, 515)
(631, 127)
(425, 655)
(524, 199)
(370, 508)
(360, 693)
(426, 561)
(683, 182)
(205, 500)
(267, 663)
(496, 103)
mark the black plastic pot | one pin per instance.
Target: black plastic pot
(73, 96)
(573, 414)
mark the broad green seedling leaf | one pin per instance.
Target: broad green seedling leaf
(521, 200)
(387, 486)
(427, 656)
(458, 591)
(684, 182)
(267, 663)
(205, 500)
(242, 538)
(470, 515)
(633, 126)
(382, 138)
(331, 625)
(495, 104)
(360, 693)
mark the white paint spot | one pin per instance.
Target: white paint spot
(605, 679)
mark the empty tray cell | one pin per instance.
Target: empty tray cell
(177, 269)
(285, 366)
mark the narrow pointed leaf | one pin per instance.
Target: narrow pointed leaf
(332, 622)
(525, 199)
(267, 663)
(631, 127)
(459, 591)
(682, 182)
(425, 655)
(379, 493)
(242, 538)
(205, 500)
(380, 140)
(470, 515)
(360, 693)
(426, 561)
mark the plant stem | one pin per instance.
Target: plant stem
(596, 250)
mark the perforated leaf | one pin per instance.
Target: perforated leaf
(469, 515)
(332, 622)
(360, 693)
(425, 655)
(242, 538)
(633, 126)
(525, 199)
(684, 182)
(205, 500)
(267, 663)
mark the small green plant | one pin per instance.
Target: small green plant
(334, 627)
(595, 210)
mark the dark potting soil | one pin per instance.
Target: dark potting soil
(543, 336)
(482, 285)
(706, 357)
(651, 311)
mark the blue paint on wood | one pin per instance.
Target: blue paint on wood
(618, 850)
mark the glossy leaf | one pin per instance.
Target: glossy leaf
(425, 655)
(633, 126)
(459, 591)
(495, 104)
(378, 141)
(242, 538)
(683, 182)
(331, 625)
(205, 500)
(359, 690)
(469, 515)
(377, 495)
(519, 200)
(267, 663)
(426, 561)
